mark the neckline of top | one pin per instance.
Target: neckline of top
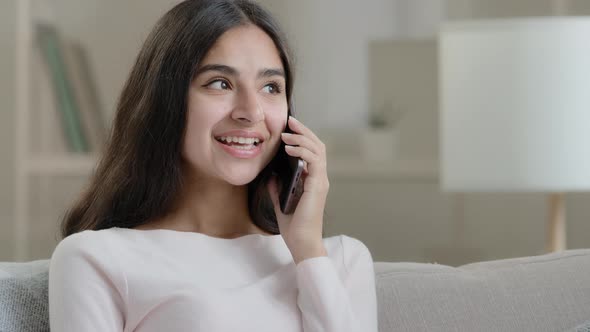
(202, 235)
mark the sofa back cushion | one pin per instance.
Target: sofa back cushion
(538, 293)
(23, 296)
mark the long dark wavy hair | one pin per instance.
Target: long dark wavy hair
(138, 177)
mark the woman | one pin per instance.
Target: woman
(180, 228)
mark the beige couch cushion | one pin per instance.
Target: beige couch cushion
(539, 293)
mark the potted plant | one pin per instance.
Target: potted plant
(380, 139)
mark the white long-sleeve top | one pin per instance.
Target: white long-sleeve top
(121, 279)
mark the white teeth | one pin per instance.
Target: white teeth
(243, 147)
(241, 140)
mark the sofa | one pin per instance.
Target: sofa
(539, 293)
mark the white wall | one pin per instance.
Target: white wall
(472, 9)
(330, 39)
(418, 19)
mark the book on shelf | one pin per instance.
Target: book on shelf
(46, 129)
(86, 95)
(72, 82)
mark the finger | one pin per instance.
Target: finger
(300, 140)
(305, 142)
(300, 128)
(314, 162)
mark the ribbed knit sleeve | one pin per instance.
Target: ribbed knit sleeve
(330, 302)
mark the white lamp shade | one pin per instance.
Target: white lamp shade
(515, 105)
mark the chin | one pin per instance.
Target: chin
(240, 179)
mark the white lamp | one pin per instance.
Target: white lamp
(515, 109)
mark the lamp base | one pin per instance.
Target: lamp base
(556, 233)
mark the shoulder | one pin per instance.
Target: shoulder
(85, 267)
(87, 243)
(86, 255)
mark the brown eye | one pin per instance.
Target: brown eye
(218, 85)
(272, 88)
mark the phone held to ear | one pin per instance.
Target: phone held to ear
(292, 187)
(290, 171)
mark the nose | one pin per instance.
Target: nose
(247, 108)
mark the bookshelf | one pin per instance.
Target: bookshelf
(41, 149)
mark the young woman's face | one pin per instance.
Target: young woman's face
(238, 93)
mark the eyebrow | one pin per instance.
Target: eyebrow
(263, 73)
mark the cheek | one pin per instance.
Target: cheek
(276, 123)
(204, 111)
(196, 126)
(276, 118)
(200, 121)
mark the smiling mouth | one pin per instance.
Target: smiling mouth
(229, 142)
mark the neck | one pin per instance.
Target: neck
(212, 207)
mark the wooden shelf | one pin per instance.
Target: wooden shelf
(423, 170)
(62, 164)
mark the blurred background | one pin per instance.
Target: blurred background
(366, 83)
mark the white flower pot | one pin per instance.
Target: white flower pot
(379, 145)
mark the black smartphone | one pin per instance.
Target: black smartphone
(292, 189)
(290, 171)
